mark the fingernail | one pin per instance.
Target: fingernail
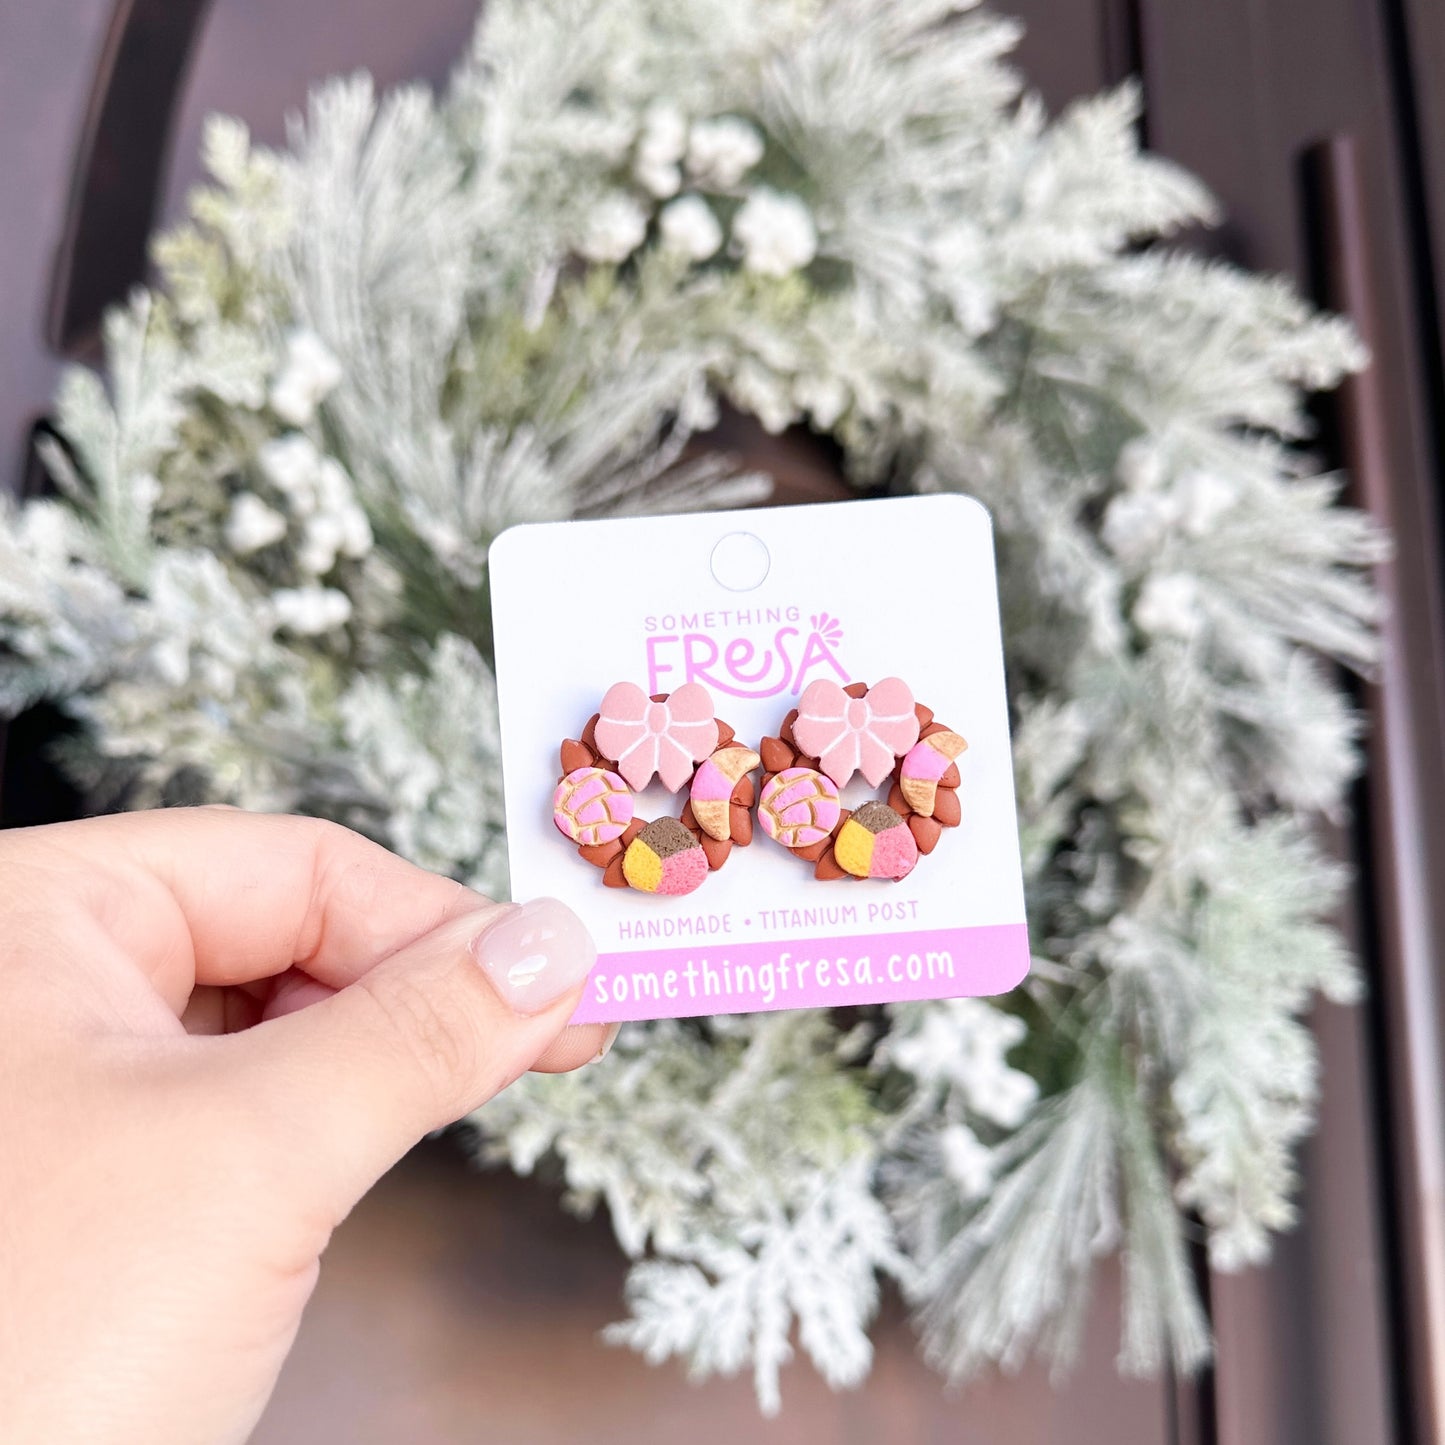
(608, 1039)
(534, 953)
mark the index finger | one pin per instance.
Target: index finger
(221, 896)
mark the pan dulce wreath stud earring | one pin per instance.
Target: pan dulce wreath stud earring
(677, 738)
(882, 733)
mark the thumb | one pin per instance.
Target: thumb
(431, 1032)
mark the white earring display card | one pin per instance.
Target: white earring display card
(802, 705)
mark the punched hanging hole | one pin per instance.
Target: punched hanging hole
(740, 561)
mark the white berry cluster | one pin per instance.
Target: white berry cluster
(701, 170)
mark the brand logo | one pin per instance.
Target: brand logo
(748, 652)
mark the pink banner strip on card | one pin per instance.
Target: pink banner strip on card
(722, 978)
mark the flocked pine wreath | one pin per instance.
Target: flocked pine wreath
(263, 580)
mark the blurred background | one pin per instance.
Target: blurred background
(456, 1308)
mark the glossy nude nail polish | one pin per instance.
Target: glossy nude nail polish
(535, 953)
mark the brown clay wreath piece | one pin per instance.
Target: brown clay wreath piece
(593, 802)
(799, 800)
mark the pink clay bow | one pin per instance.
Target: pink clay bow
(856, 734)
(666, 738)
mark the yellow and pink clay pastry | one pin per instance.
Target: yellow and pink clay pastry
(875, 843)
(665, 857)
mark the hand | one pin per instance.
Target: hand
(217, 1030)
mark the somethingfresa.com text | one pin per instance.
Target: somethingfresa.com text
(725, 983)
